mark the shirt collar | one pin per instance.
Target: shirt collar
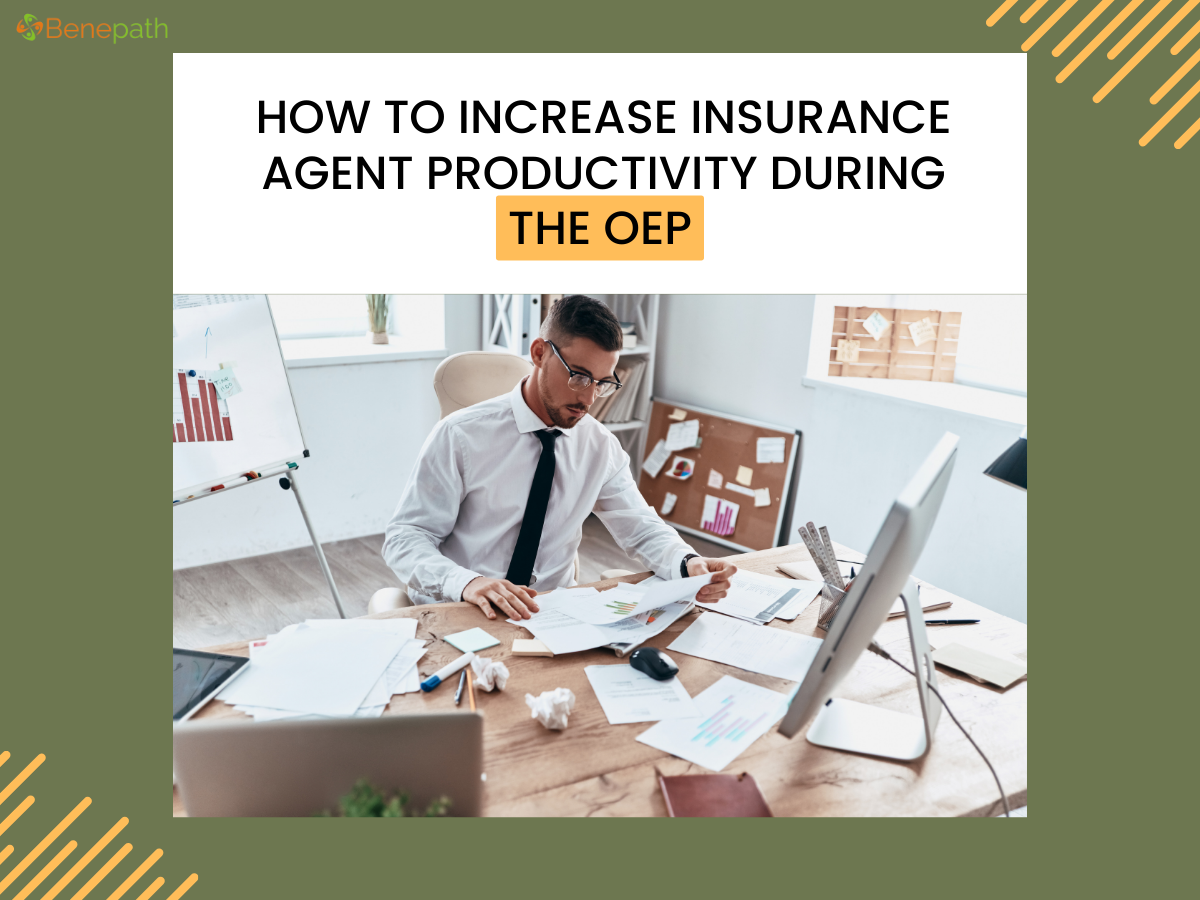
(527, 419)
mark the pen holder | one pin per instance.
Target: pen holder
(831, 602)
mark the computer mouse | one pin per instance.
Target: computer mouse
(654, 663)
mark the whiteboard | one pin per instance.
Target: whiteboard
(214, 439)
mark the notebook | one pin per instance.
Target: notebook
(728, 796)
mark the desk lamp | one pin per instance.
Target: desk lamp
(1009, 466)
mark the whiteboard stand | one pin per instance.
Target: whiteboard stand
(287, 482)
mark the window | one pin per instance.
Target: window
(305, 316)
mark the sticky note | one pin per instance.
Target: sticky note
(847, 351)
(745, 473)
(770, 450)
(922, 332)
(678, 416)
(762, 497)
(668, 503)
(226, 383)
(876, 325)
(523, 647)
(715, 478)
(472, 640)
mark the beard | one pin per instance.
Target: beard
(558, 414)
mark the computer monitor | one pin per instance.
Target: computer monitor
(886, 574)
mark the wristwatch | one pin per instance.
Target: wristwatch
(683, 565)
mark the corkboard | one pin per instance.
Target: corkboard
(726, 443)
(895, 355)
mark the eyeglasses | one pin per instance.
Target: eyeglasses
(581, 381)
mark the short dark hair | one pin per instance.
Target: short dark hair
(580, 316)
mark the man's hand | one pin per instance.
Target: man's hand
(721, 570)
(515, 601)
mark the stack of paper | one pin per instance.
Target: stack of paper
(759, 598)
(329, 668)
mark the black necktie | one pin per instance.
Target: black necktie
(520, 570)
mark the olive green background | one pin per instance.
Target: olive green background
(85, 608)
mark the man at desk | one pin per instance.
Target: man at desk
(496, 502)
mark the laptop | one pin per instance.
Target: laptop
(299, 768)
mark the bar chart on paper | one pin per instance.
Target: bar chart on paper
(733, 715)
(720, 516)
(198, 414)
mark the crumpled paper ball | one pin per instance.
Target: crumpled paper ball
(551, 707)
(490, 673)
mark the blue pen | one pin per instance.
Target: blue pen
(445, 672)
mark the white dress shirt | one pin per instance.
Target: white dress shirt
(461, 510)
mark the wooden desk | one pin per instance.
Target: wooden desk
(593, 768)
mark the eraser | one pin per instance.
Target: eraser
(530, 648)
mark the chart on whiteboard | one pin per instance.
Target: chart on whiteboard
(198, 414)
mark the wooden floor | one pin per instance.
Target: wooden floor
(247, 598)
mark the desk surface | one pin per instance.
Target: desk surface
(593, 768)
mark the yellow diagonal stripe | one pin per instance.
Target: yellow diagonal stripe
(1179, 45)
(185, 887)
(137, 873)
(5, 755)
(154, 886)
(16, 813)
(1158, 95)
(1170, 114)
(1081, 27)
(1133, 32)
(4, 853)
(33, 854)
(1146, 48)
(1000, 11)
(46, 870)
(1032, 11)
(1183, 139)
(87, 858)
(20, 779)
(102, 872)
(1047, 25)
(1097, 40)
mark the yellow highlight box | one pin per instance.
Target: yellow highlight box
(655, 227)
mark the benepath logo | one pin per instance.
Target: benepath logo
(29, 27)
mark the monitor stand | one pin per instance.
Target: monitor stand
(859, 728)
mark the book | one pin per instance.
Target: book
(711, 796)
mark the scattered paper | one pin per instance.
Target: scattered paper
(682, 468)
(876, 325)
(720, 515)
(762, 497)
(627, 695)
(225, 382)
(625, 600)
(733, 714)
(768, 651)
(770, 450)
(657, 459)
(668, 504)
(678, 415)
(471, 641)
(754, 597)
(715, 479)
(847, 351)
(683, 435)
(744, 475)
(922, 332)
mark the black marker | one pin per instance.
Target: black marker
(951, 621)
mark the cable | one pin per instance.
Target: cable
(879, 651)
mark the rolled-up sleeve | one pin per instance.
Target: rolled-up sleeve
(633, 523)
(424, 518)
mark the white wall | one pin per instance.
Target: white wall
(364, 425)
(748, 355)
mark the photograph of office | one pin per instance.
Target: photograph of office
(652, 540)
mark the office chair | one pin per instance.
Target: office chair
(463, 380)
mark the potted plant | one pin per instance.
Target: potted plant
(377, 315)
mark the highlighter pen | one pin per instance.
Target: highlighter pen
(445, 672)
